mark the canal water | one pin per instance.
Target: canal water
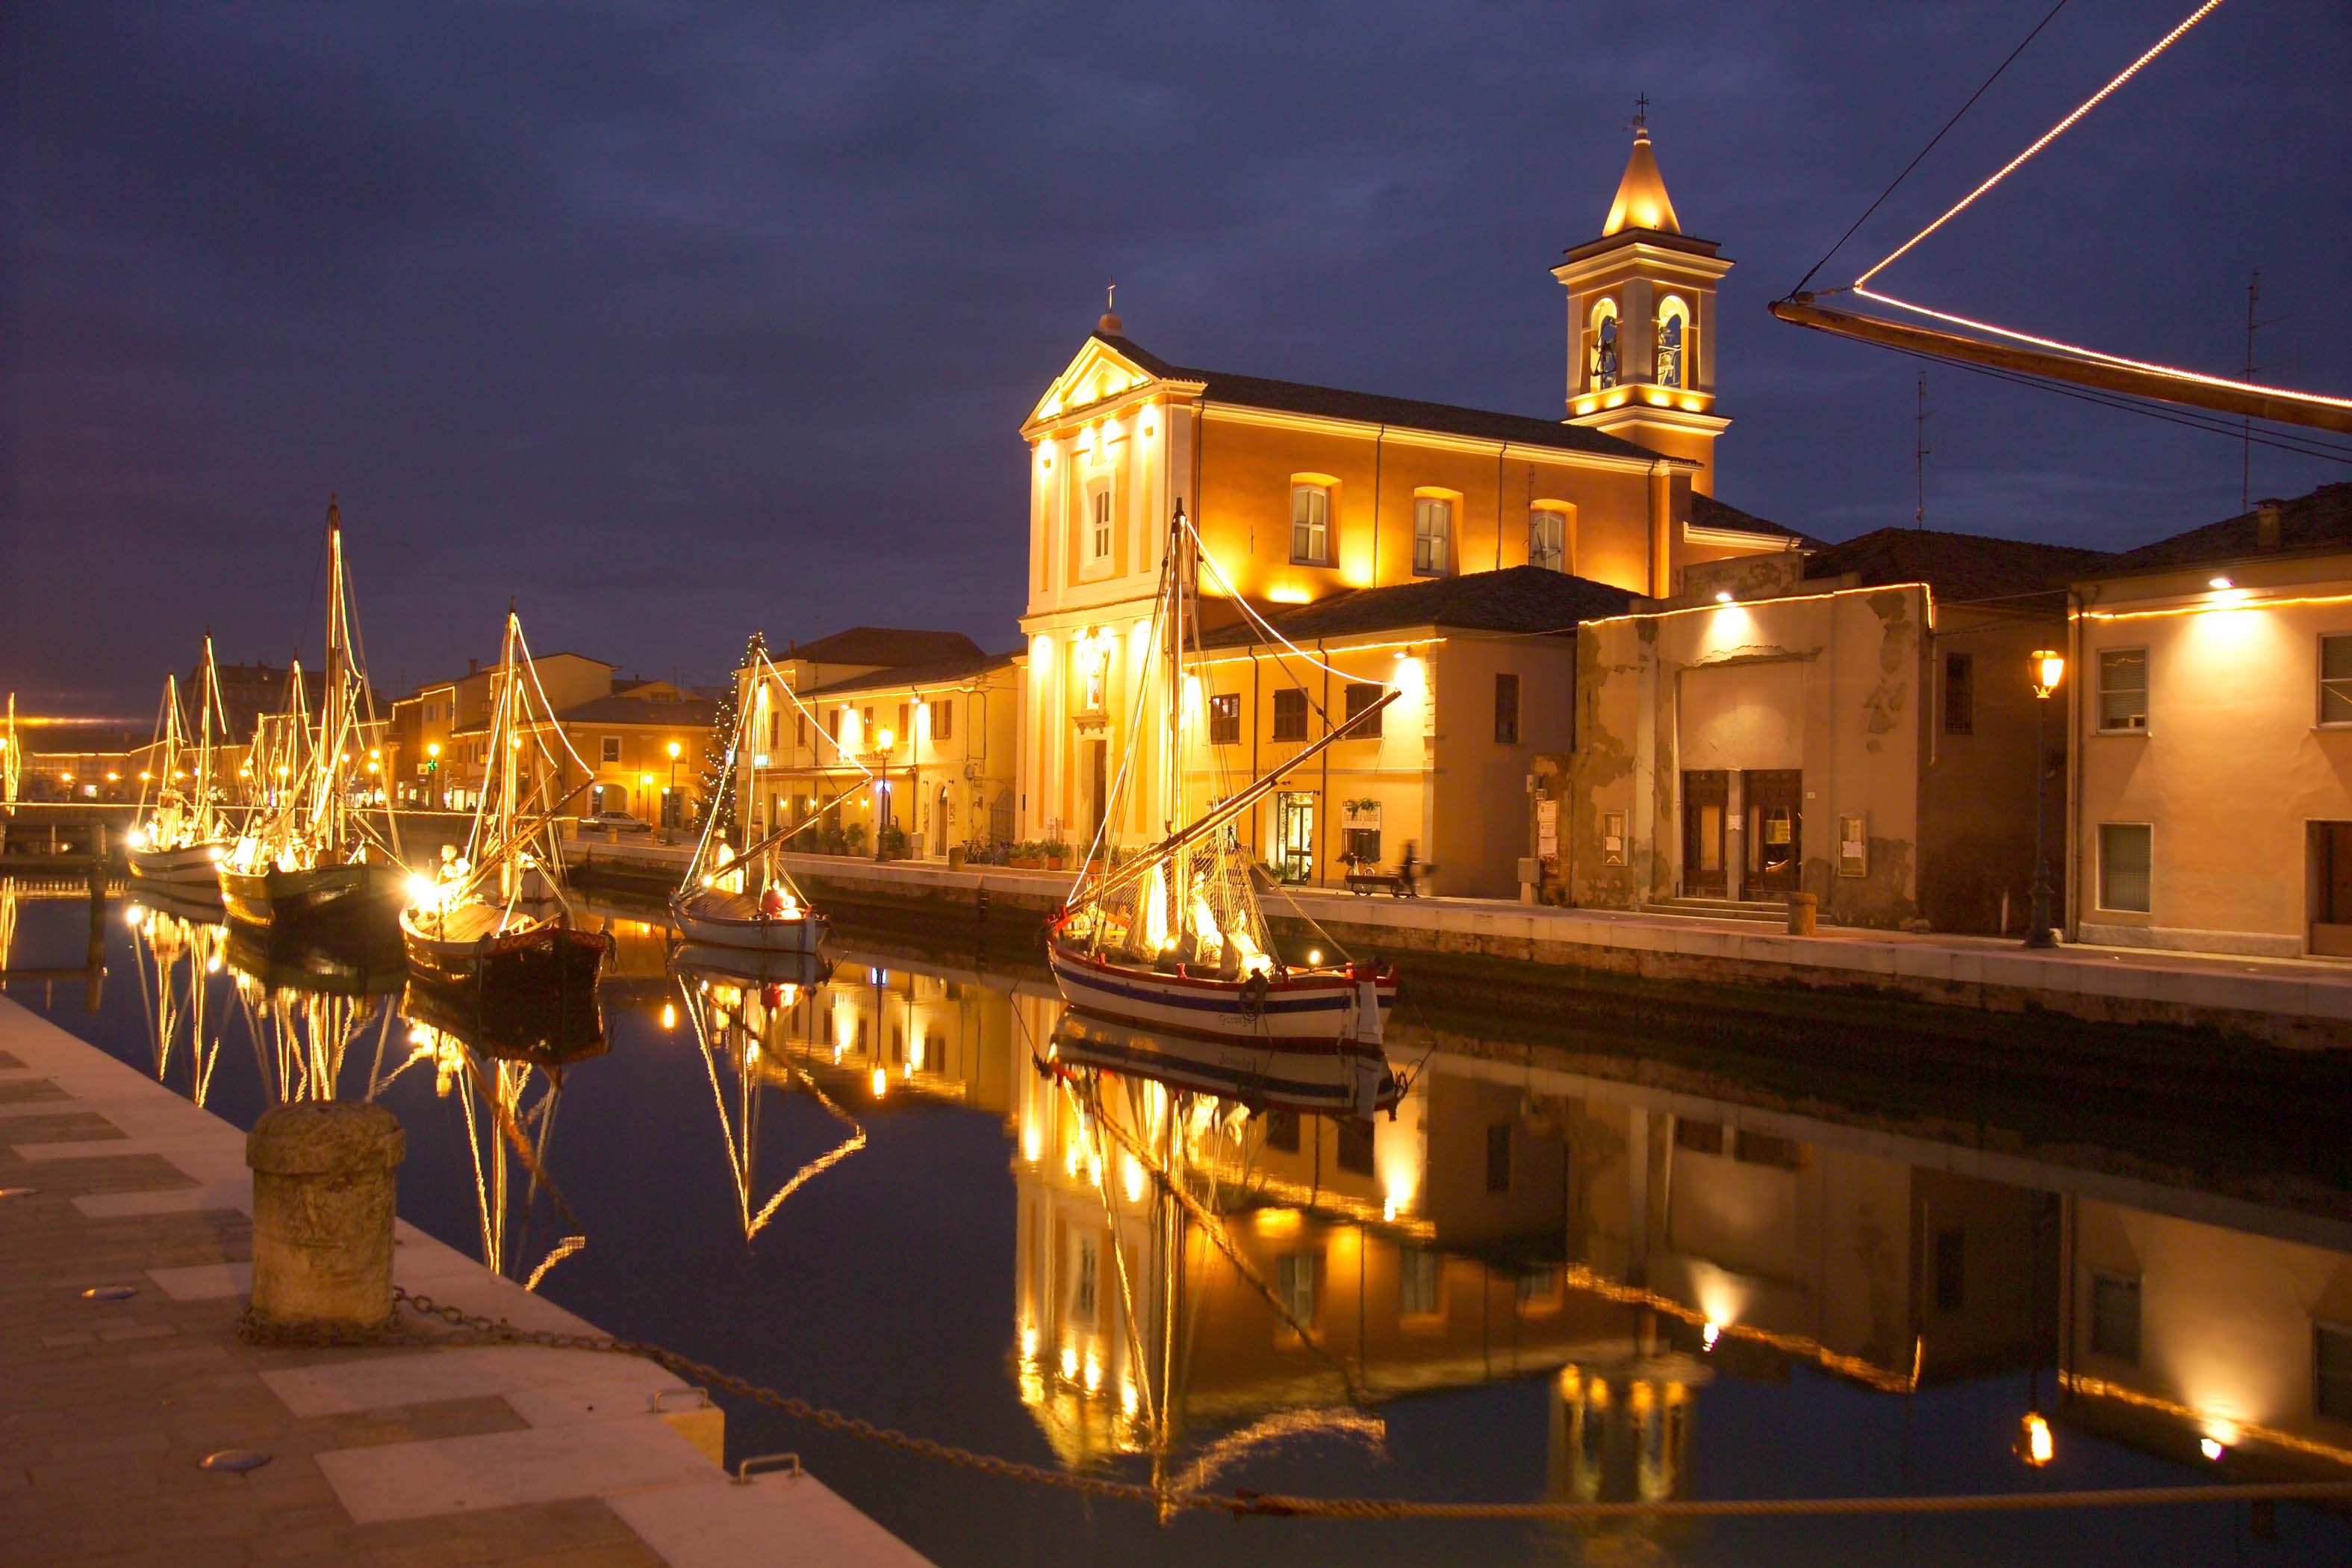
(1554, 1274)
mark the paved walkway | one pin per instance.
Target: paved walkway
(408, 1458)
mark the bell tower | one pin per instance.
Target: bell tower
(1641, 321)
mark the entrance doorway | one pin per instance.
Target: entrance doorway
(1294, 837)
(2331, 893)
(1098, 787)
(1775, 829)
(1707, 797)
(940, 825)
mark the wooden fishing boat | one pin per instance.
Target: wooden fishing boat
(182, 837)
(745, 900)
(1173, 939)
(308, 857)
(496, 918)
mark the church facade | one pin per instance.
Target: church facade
(1389, 530)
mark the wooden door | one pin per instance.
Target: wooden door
(1707, 797)
(1775, 829)
(2331, 914)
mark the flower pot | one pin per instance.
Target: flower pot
(1054, 862)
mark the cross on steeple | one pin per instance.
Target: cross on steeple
(1110, 295)
(1642, 112)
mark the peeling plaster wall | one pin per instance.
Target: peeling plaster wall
(1842, 677)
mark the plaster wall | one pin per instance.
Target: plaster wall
(2233, 765)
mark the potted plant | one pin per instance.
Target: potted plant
(892, 841)
(1027, 856)
(829, 840)
(1056, 853)
(853, 838)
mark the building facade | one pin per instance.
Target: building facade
(1302, 493)
(2212, 737)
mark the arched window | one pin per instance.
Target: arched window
(1550, 532)
(1674, 341)
(1601, 356)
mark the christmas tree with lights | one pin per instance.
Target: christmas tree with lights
(718, 777)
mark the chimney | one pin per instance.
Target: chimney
(2266, 525)
(473, 666)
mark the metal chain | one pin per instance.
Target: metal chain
(467, 1328)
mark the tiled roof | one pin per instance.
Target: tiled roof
(885, 646)
(1958, 566)
(905, 676)
(689, 712)
(1373, 408)
(2320, 520)
(1708, 513)
(1516, 599)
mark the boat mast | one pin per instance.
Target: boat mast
(504, 737)
(330, 716)
(206, 695)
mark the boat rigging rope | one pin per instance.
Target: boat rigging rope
(459, 1327)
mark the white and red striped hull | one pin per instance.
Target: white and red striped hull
(803, 933)
(1317, 1032)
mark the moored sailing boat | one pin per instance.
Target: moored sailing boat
(713, 906)
(310, 859)
(1173, 941)
(184, 837)
(486, 921)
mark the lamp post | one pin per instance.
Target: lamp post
(2049, 667)
(433, 774)
(669, 798)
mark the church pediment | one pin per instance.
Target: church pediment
(1098, 374)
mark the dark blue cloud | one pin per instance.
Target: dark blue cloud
(676, 323)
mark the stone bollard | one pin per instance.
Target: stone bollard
(1801, 909)
(323, 1182)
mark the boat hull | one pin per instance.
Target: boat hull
(546, 957)
(338, 898)
(802, 933)
(189, 871)
(1260, 1075)
(1320, 1008)
(801, 969)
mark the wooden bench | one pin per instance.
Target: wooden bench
(1396, 885)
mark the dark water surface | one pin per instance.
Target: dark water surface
(1532, 1284)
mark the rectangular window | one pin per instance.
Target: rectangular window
(799, 729)
(1356, 1146)
(2115, 1317)
(1225, 720)
(905, 731)
(1364, 844)
(1951, 1267)
(2125, 851)
(1699, 1137)
(866, 727)
(1294, 1284)
(1499, 1157)
(1362, 694)
(2331, 1385)
(775, 729)
(1282, 1130)
(2123, 689)
(943, 719)
(1100, 536)
(1506, 710)
(1433, 535)
(1311, 525)
(1768, 1149)
(2336, 680)
(1417, 1282)
(1290, 714)
(833, 725)
(1084, 1287)
(1548, 539)
(1959, 694)
(612, 749)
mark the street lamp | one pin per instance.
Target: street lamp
(2049, 667)
(670, 797)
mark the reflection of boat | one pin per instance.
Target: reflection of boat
(1254, 1073)
(309, 859)
(1173, 939)
(361, 964)
(524, 1030)
(181, 842)
(469, 927)
(176, 953)
(744, 967)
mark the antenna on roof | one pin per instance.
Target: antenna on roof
(1110, 323)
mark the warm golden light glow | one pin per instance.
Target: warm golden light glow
(670, 1016)
(2049, 668)
(2035, 1444)
(674, 749)
(432, 748)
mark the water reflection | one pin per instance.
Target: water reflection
(1221, 1294)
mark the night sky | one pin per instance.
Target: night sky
(677, 322)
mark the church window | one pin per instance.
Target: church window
(1673, 336)
(1547, 536)
(1098, 535)
(1433, 535)
(1601, 367)
(1310, 524)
